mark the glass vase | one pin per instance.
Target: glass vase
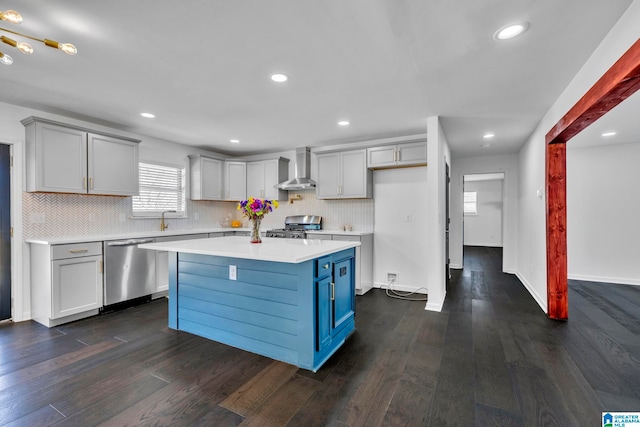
(255, 230)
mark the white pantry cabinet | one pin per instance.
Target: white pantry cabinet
(66, 282)
(264, 175)
(397, 155)
(69, 159)
(206, 177)
(343, 175)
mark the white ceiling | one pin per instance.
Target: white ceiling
(202, 67)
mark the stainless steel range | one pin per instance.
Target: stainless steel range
(295, 227)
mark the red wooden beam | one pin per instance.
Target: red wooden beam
(616, 85)
(557, 276)
(619, 82)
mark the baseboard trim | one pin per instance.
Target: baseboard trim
(605, 279)
(435, 305)
(402, 288)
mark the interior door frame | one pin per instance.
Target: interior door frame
(6, 287)
(617, 84)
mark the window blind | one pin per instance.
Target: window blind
(470, 203)
(161, 189)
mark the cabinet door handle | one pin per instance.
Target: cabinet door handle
(78, 251)
(333, 291)
(90, 183)
(84, 182)
(326, 266)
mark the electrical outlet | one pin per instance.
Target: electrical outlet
(392, 277)
(408, 217)
(233, 272)
(197, 216)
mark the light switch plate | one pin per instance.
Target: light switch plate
(233, 272)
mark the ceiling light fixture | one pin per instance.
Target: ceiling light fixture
(148, 115)
(234, 141)
(344, 123)
(510, 31)
(606, 134)
(279, 78)
(488, 135)
(13, 17)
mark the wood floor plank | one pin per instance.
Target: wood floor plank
(283, 404)
(32, 371)
(249, 398)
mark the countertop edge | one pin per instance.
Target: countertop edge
(295, 257)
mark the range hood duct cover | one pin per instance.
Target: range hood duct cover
(302, 180)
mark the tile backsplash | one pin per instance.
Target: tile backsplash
(66, 215)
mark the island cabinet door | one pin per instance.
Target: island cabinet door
(324, 307)
(342, 293)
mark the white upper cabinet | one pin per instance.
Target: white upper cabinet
(206, 177)
(104, 152)
(67, 159)
(343, 175)
(397, 155)
(264, 175)
(235, 180)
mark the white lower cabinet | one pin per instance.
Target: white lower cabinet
(162, 261)
(364, 256)
(66, 282)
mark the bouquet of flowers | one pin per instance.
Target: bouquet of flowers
(256, 208)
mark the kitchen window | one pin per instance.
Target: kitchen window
(162, 188)
(470, 203)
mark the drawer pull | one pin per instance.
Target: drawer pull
(78, 251)
(333, 291)
(326, 266)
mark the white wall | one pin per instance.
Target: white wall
(485, 228)
(438, 156)
(602, 213)
(398, 245)
(487, 164)
(531, 268)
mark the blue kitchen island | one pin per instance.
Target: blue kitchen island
(287, 299)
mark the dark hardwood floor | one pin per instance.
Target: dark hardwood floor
(491, 358)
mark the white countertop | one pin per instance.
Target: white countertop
(340, 232)
(271, 249)
(129, 235)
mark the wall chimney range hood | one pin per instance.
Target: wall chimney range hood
(302, 180)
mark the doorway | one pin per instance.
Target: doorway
(5, 232)
(483, 210)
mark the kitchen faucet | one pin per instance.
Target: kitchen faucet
(163, 225)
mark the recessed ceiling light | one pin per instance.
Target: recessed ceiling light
(488, 135)
(279, 78)
(234, 141)
(148, 115)
(510, 31)
(344, 123)
(608, 134)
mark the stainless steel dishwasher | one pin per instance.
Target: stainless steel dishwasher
(129, 272)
